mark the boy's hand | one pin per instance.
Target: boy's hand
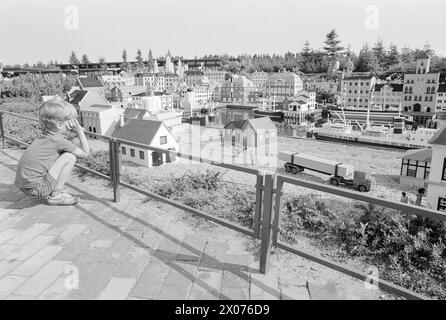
(75, 126)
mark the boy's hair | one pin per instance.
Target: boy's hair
(54, 110)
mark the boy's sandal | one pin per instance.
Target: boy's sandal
(62, 199)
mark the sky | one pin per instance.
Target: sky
(33, 30)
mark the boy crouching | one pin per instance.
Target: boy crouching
(46, 165)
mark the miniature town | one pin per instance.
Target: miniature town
(233, 177)
(160, 105)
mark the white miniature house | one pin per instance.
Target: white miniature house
(148, 132)
(436, 192)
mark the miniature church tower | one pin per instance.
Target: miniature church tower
(155, 66)
(423, 62)
(436, 192)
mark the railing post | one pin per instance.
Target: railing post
(114, 167)
(2, 130)
(265, 246)
(277, 208)
(118, 169)
(258, 205)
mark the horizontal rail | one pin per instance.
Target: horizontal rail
(189, 209)
(104, 176)
(382, 284)
(406, 208)
(18, 115)
(77, 165)
(16, 140)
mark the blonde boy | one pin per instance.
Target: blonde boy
(45, 166)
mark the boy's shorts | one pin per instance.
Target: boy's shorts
(43, 190)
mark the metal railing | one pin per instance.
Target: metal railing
(269, 187)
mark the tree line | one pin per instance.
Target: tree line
(376, 59)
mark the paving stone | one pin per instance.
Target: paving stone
(293, 280)
(213, 255)
(59, 226)
(42, 279)
(9, 283)
(12, 195)
(93, 281)
(17, 297)
(207, 285)
(238, 262)
(235, 279)
(7, 265)
(134, 263)
(58, 290)
(235, 293)
(325, 291)
(69, 234)
(75, 248)
(8, 234)
(151, 281)
(167, 250)
(5, 250)
(29, 234)
(102, 243)
(117, 251)
(117, 289)
(264, 287)
(169, 292)
(30, 248)
(295, 293)
(37, 261)
(181, 275)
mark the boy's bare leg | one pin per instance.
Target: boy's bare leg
(61, 169)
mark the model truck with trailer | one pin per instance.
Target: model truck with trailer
(340, 173)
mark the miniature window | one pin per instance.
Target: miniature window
(141, 155)
(132, 152)
(441, 204)
(163, 139)
(443, 174)
(124, 150)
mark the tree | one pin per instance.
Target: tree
(139, 60)
(393, 56)
(124, 56)
(305, 55)
(332, 47)
(85, 59)
(73, 58)
(364, 59)
(379, 53)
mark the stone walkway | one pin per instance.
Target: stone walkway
(136, 249)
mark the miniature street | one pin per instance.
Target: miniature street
(136, 249)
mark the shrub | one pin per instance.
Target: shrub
(408, 250)
(98, 161)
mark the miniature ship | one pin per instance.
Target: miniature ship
(394, 137)
(264, 111)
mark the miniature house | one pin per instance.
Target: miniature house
(148, 132)
(255, 138)
(436, 192)
(415, 167)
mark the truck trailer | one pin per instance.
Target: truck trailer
(340, 173)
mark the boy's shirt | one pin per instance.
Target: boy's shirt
(39, 157)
